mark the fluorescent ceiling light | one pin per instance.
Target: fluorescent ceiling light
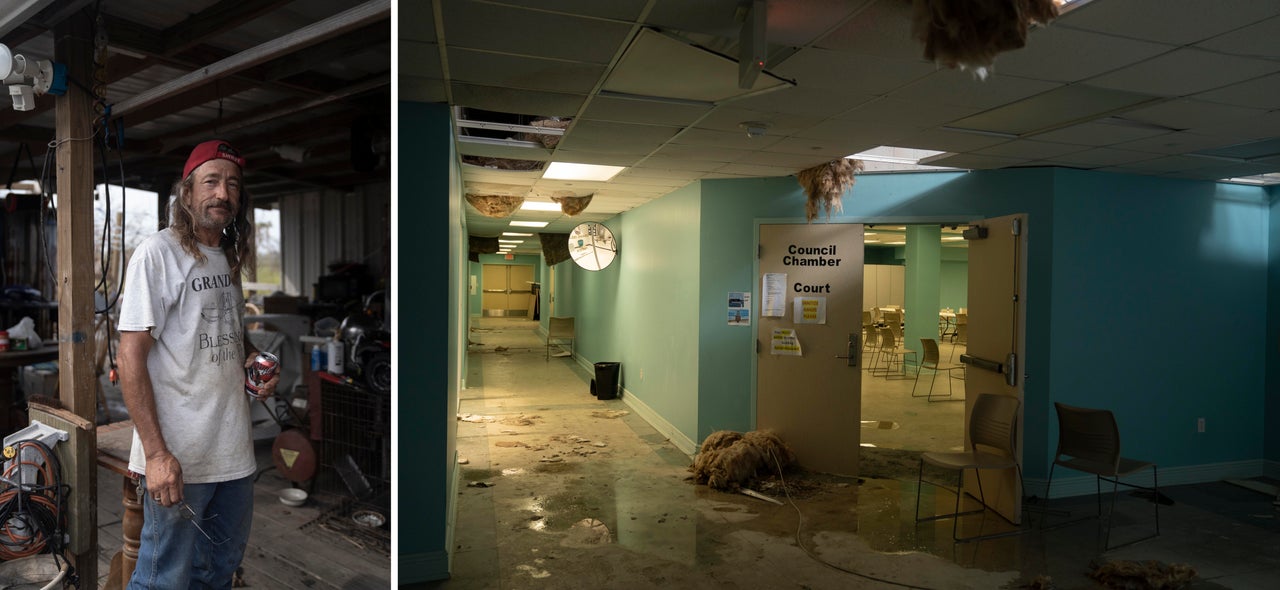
(896, 243)
(895, 155)
(510, 241)
(1257, 179)
(517, 234)
(540, 206)
(570, 171)
(952, 238)
(529, 223)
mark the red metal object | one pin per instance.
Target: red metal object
(264, 367)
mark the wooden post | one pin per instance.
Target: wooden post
(73, 47)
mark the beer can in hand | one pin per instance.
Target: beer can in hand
(265, 366)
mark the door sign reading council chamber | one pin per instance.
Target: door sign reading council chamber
(807, 309)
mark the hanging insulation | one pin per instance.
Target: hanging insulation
(968, 34)
(572, 205)
(547, 141)
(555, 248)
(477, 245)
(824, 184)
(495, 205)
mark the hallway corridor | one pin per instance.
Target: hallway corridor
(561, 490)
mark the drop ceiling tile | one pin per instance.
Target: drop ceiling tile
(679, 163)
(1175, 143)
(1099, 133)
(535, 33)
(627, 10)
(509, 71)
(1183, 72)
(657, 64)
(706, 152)
(878, 132)
(953, 87)
(1257, 40)
(1253, 128)
(422, 89)
(1029, 149)
(511, 100)
(594, 157)
(851, 73)
(1261, 93)
(821, 149)
(791, 161)
(881, 29)
(1103, 157)
(911, 113)
(616, 137)
(417, 22)
(1061, 54)
(723, 139)
(603, 108)
(1188, 113)
(1177, 22)
(504, 151)
(645, 173)
(978, 161)
(420, 59)
(949, 141)
(1053, 109)
(728, 118)
(802, 101)
(758, 170)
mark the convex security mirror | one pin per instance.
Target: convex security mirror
(591, 245)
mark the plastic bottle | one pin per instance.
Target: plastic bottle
(334, 350)
(317, 358)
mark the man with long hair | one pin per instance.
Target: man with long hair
(183, 352)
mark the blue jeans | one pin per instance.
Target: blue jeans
(174, 554)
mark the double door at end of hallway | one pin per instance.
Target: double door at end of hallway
(507, 290)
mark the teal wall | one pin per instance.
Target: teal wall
(639, 310)
(1272, 343)
(1161, 291)
(427, 392)
(953, 280)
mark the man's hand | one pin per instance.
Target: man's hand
(164, 478)
(268, 389)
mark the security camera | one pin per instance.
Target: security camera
(28, 78)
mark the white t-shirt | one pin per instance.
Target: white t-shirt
(195, 313)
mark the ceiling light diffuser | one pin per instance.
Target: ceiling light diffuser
(571, 171)
(540, 206)
(529, 223)
(517, 234)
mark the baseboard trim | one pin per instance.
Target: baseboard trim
(1065, 487)
(677, 438)
(1272, 469)
(423, 567)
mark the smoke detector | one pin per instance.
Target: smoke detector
(754, 128)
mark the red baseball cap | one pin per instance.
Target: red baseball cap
(212, 150)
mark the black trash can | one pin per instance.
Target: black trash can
(605, 385)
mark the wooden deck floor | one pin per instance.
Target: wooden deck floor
(306, 548)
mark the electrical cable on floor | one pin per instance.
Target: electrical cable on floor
(800, 525)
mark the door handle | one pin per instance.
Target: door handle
(851, 351)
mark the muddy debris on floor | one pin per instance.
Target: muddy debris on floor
(730, 460)
(609, 414)
(1135, 575)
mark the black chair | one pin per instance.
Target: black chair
(1089, 441)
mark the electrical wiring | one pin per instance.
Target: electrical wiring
(31, 513)
(800, 543)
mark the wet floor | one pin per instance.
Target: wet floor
(560, 490)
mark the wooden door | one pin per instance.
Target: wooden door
(996, 347)
(813, 401)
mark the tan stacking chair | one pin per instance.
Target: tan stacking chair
(560, 329)
(1089, 441)
(993, 439)
(889, 352)
(933, 362)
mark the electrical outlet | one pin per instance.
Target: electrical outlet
(1200, 425)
